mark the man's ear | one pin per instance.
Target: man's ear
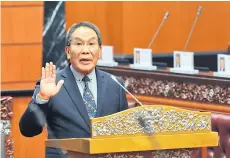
(67, 51)
(100, 51)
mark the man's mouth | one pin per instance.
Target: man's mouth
(85, 61)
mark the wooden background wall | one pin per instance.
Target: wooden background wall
(21, 48)
(21, 44)
(126, 25)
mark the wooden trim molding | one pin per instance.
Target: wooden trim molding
(217, 108)
(201, 90)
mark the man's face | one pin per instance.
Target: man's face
(84, 50)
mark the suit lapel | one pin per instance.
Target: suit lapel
(74, 93)
(101, 92)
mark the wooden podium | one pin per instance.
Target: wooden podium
(152, 131)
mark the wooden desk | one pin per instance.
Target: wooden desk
(201, 92)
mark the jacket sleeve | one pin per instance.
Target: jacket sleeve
(34, 118)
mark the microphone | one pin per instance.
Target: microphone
(144, 117)
(158, 30)
(193, 26)
(115, 79)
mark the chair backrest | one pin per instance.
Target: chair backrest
(221, 124)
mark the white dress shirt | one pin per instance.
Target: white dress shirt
(81, 85)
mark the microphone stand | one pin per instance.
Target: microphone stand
(158, 30)
(193, 26)
(142, 117)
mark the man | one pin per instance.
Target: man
(222, 64)
(67, 100)
(138, 57)
(177, 60)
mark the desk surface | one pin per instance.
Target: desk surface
(206, 76)
(200, 88)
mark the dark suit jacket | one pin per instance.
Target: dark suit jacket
(65, 113)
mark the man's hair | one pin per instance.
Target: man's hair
(82, 24)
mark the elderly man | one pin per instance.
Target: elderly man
(66, 100)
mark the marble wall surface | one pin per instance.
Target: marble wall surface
(54, 33)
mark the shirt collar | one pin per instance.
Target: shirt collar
(78, 76)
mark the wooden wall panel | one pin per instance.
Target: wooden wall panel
(136, 23)
(18, 85)
(20, 64)
(210, 32)
(18, 3)
(21, 44)
(21, 48)
(22, 24)
(106, 15)
(25, 147)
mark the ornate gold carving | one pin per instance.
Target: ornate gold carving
(121, 155)
(5, 127)
(178, 89)
(150, 119)
(177, 153)
(6, 108)
(9, 147)
(182, 153)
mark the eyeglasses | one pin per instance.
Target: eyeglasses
(79, 45)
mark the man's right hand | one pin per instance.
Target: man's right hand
(48, 87)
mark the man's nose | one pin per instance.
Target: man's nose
(85, 48)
